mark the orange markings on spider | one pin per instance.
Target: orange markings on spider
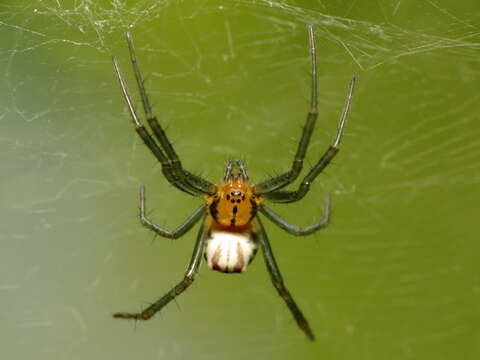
(234, 205)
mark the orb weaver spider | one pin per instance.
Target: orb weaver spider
(231, 230)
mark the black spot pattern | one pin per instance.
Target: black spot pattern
(232, 222)
(213, 209)
(254, 209)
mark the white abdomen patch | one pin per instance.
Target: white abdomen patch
(230, 252)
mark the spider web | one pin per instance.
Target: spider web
(393, 277)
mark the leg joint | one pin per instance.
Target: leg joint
(297, 166)
(279, 285)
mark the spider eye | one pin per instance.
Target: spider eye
(228, 196)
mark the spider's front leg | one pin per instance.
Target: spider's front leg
(167, 169)
(277, 280)
(287, 178)
(188, 279)
(188, 180)
(291, 196)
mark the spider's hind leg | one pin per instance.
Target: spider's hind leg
(277, 280)
(188, 279)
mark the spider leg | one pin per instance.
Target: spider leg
(277, 280)
(293, 229)
(193, 181)
(150, 142)
(188, 279)
(291, 196)
(178, 232)
(284, 179)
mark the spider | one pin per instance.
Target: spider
(231, 230)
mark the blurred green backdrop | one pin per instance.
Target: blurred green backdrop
(393, 277)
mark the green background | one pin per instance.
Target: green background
(393, 277)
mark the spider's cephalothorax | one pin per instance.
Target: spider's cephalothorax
(231, 244)
(234, 205)
(231, 229)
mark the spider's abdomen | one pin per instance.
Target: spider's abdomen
(230, 251)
